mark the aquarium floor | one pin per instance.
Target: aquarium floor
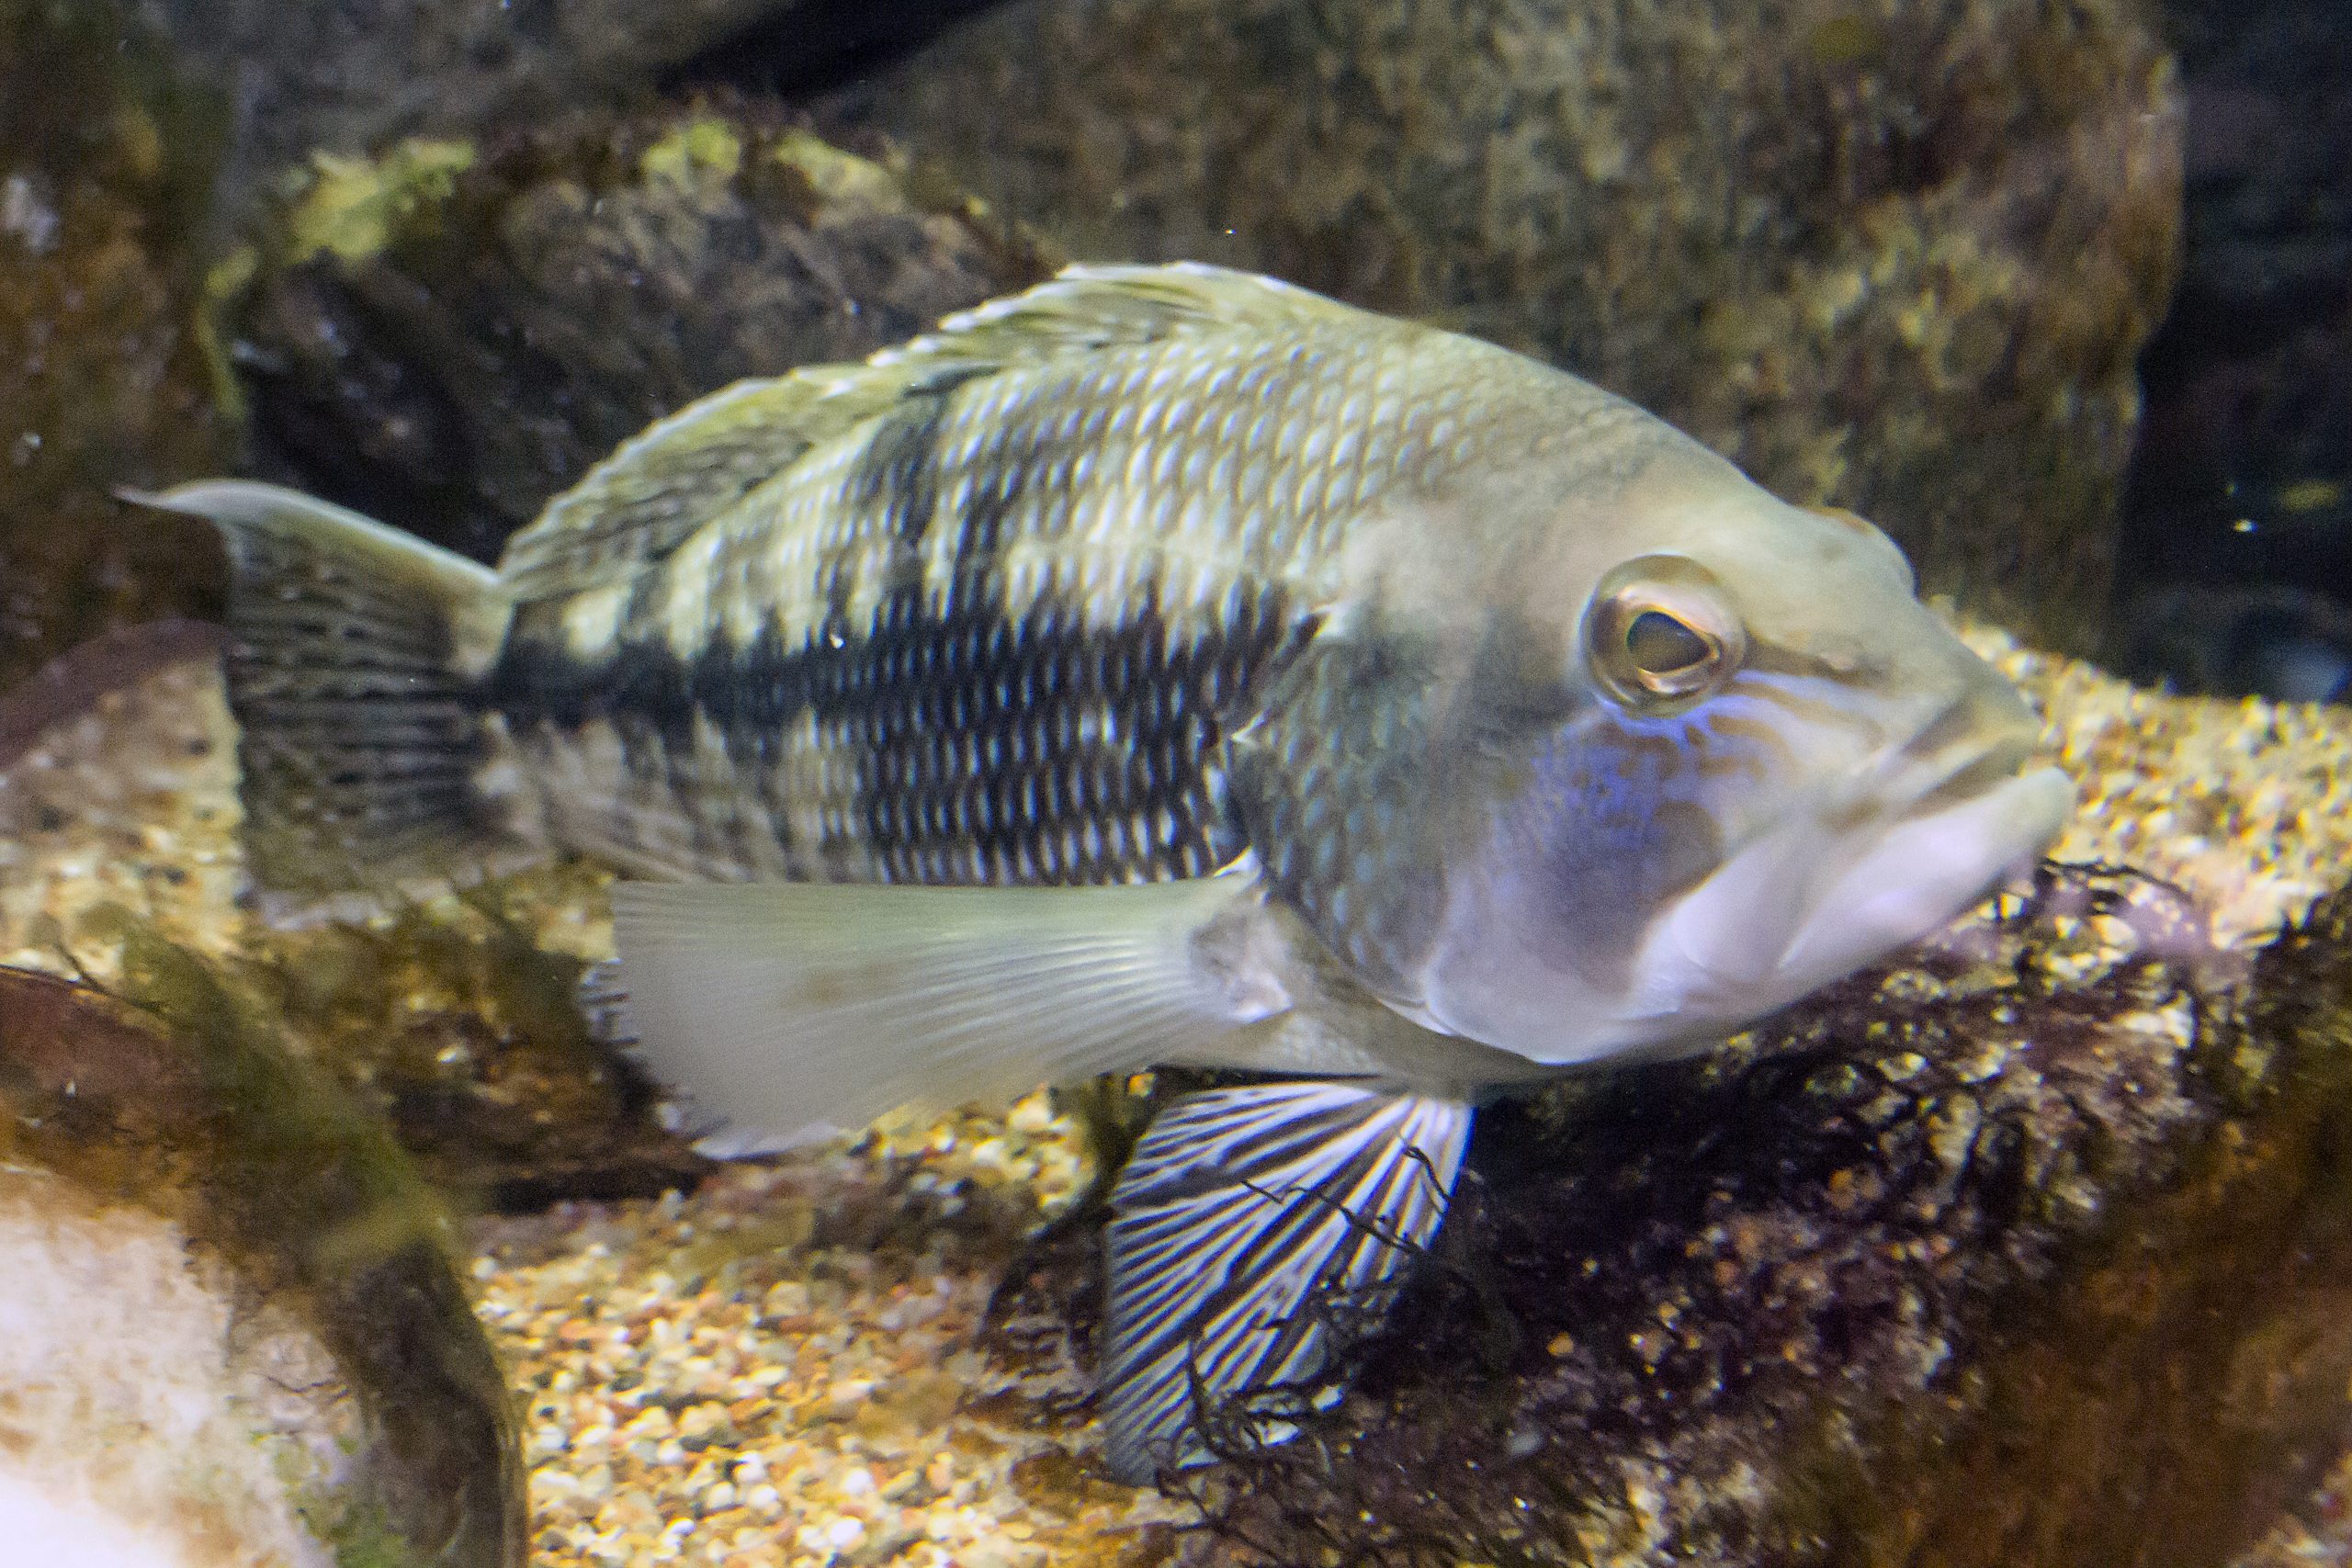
(784, 1368)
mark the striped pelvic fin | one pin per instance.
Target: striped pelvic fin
(349, 673)
(1246, 1216)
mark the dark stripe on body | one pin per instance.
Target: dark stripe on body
(922, 691)
(966, 726)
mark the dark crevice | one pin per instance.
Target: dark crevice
(820, 48)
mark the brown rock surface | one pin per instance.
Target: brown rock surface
(1898, 259)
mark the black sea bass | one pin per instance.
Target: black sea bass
(1165, 665)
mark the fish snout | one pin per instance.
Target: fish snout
(1983, 735)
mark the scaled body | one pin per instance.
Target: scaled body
(1000, 635)
(1251, 681)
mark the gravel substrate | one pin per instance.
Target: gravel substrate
(783, 1368)
(2246, 806)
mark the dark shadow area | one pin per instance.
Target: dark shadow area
(817, 52)
(2236, 569)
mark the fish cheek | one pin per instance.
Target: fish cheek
(1603, 848)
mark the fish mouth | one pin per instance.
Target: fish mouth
(1934, 830)
(1972, 778)
(1949, 846)
(1980, 738)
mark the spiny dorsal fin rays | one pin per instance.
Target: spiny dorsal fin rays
(659, 487)
(792, 1009)
(642, 501)
(1088, 308)
(1242, 1212)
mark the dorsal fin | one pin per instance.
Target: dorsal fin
(659, 486)
(1087, 308)
(669, 479)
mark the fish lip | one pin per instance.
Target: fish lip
(1983, 735)
(1967, 776)
(1918, 865)
(2005, 823)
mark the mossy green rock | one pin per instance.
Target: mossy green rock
(448, 333)
(237, 1330)
(2019, 1253)
(1898, 259)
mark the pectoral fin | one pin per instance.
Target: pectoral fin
(789, 1010)
(1240, 1208)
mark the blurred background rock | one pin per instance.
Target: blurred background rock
(106, 165)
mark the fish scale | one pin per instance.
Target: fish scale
(1163, 666)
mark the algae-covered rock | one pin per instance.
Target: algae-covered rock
(2024, 1251)
(450, 334)
(103, 380)
(1896, 257)
(235, 1329)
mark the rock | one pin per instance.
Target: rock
(103, 378)
(347, 77)
(449, 334)
(1898, 259)
(235, 1330)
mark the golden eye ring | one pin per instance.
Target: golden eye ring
(1659, 634)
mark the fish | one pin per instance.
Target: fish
(1164, 666)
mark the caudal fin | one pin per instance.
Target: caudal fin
(359, 737)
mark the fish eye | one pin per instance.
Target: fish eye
(1659, 633)
(1661, 646)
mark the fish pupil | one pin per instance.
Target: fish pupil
(1661, 645)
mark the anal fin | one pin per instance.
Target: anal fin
(1239, 1209)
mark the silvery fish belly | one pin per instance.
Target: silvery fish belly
(1165, 665)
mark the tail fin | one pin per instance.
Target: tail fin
(348, 672)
